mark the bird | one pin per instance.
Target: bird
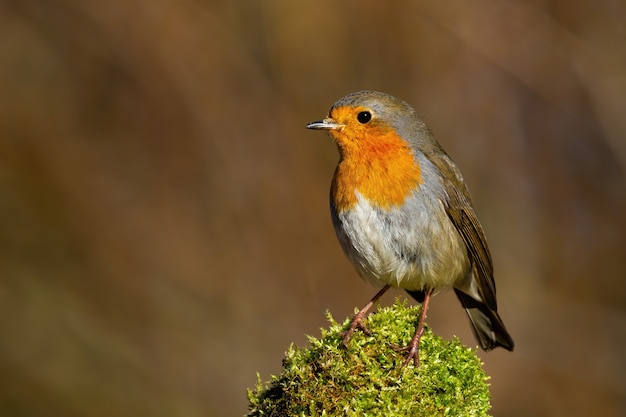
(403, 215)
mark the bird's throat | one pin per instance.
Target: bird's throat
(383, 170)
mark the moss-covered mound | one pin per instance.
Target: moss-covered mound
(368, 379)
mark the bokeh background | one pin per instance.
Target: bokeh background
(164, 214)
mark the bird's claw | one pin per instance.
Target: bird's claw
(413, 349)
(358, 322)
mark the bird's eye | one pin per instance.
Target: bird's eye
(364, 117)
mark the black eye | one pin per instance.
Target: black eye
(364, 117)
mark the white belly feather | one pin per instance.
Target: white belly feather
(405, 247)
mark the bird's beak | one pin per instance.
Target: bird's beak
(326, 124)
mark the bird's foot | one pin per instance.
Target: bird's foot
(412, 348)
(358, 322)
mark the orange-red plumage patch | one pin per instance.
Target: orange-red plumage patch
(375, 161)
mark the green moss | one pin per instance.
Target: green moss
(368, 379)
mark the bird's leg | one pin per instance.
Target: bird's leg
(359, 318)
(413, 347)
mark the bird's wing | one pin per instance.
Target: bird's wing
(462, 215)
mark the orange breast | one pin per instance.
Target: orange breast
(378, 164)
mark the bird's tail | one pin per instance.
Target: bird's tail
(486, 323)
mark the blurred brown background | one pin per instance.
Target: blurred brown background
(164, 213)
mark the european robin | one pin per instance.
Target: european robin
(403, 214)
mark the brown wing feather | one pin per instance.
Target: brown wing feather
(478, 293)
(466, 222)
(462, 215)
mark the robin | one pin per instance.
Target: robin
(403, 214)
